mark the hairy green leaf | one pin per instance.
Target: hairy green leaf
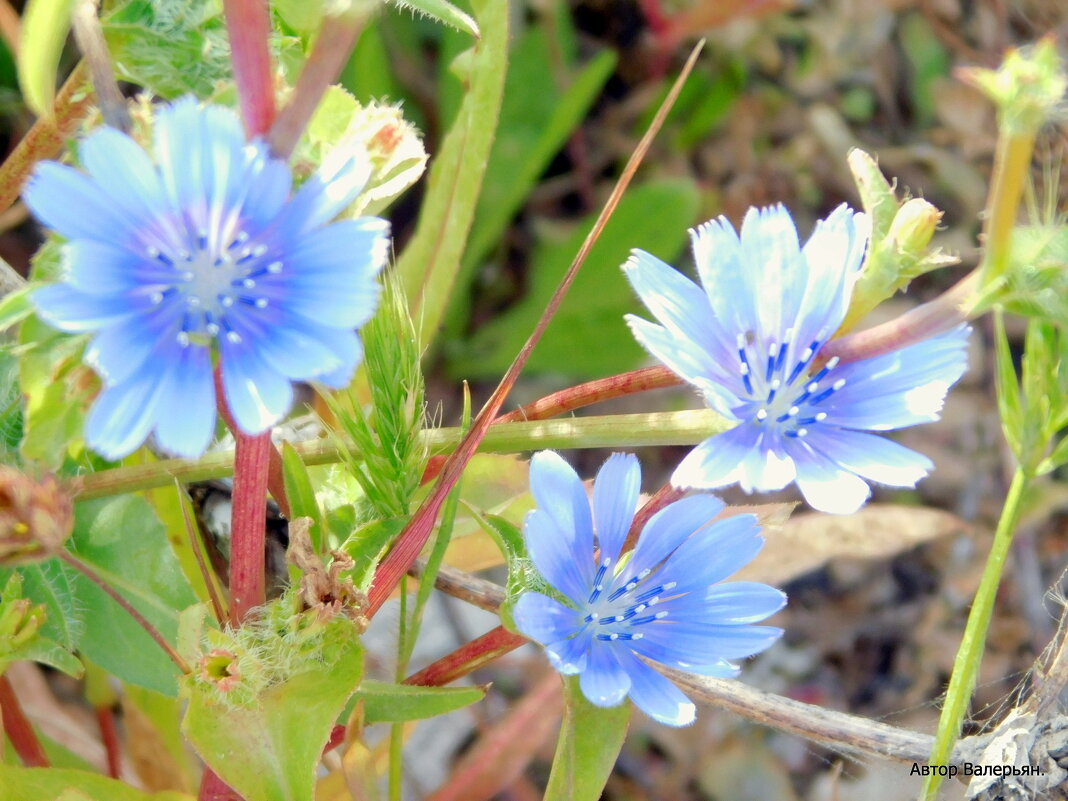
(396, 703)
(45, 24)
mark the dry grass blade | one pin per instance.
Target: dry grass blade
(411, 540)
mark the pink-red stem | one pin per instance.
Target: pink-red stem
(248, 526)
(467, 658)
(109, 735)
(19, 729)
(248, 23)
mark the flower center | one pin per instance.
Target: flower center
(617, 611)
(209, 280)
(782, 395)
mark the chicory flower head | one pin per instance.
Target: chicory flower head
(750, 341)
(664, 604)
(201, 247)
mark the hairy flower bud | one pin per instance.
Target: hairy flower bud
(36, 517)
(914, 225)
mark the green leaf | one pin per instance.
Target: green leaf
(396, 703)
(44, 31)
(57, 784)
(1008, 390)
(268, 748)
(20, 632)
(443, 12)
(301, 495)
(366, 545)
(54, 655)
(52, 584)
(430, 262)
(15, 307)
(590, 740)
(124, 542)
(653, 217)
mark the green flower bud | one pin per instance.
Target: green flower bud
(1027, 88)
(914, 225)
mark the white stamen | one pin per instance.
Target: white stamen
(661, 615)
(821, 416)
(594, 616)
(227, 301)
(261, 303)
(837, 385)
(186, 275)
(645, 573)
(248, 283)
(671, 585)
(811, 387)
(613, 636)
(776, 383)
(773, 350)
(274, 267)
(637, 636)
(156, 298)
(740, 341)
(806, 354)
(233, 336)
(241, 236)
(192, 300)
(183, 339)
(744, 368)
(184, 254)
(762, 415)
(152, 252)
(792, 411)
(259, 250)
(213, 329)
(832, 362)
(802, 432)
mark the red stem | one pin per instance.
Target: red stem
(248, 524)
(105, 719)
(248, 23)
(667, 494)
(212, 788)
(467, 658)
(576, 397)
(19, 729)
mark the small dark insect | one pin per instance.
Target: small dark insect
(213, 504)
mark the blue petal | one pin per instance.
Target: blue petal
(900, 388)
(257, 396)
(678, 643)
(669, 528)
(268, 187)
(741, 602)
(615, 499)
(122, 348)
(101, 268)
(604, 682)
(684, 310)
(123, 415)
(125, 176)
(322, 197)
(186, 418)
(74, 204)
(560, 494)
(560, 555)
(771, 254)
(832, 257)
(544, 619)
(732, 285)
(570, 656)
(717, 461)
(294, 346)
(67, 309)
(826, 486)
(874, 458)
(766, 467)
(656, 696)
(342, 376)
(689, 361)
(714, 554)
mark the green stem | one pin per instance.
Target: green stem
(605, 431)
(1012, 166)
(966, 665)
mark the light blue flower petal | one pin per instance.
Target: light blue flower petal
(741, 602)
(570, 656)
(544, 619)
(899, 388)
(342, 376)
(186, 418)
(121, 349)
(771, 252)
(604, 682)
(766, 467)
(687, 360)
(871, 457)
(832, 256)
(322, 197)
(256, 395)
(268, 189)
(122, 416)
(733, 287)
(562, 557)
(560, 494)
(295, 347)
(615, 500)
(101, 268)
(73, 204)
(826, 486)
(67, 309)
(125, 176)
(713, 554)
(717, 461)
(677, 642)
(669, 528)
(656, 696)
(683, 309)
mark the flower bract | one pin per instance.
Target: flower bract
(663, 602)
(749, 339)
(202, 248)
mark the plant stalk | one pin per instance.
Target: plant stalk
(966, 665)
(18, 728)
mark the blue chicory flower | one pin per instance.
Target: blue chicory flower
(750, 341)
(664, 604)
(205, 248)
